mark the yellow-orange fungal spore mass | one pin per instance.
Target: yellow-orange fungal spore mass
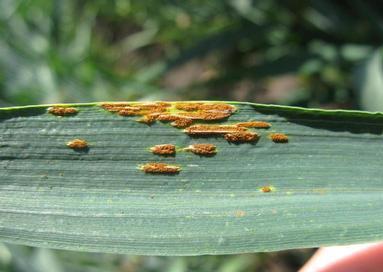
(167, 117)
(128, 112)
(148, 119)
(238, 137)
(279, 137)
(136, 108)
(205, 107)
(181, 114)
(188, 106)
(160, 168)
(77, 144)
(202, 149)
(205, 115)
(115, 107)
(62, 111)
(254, 124)
(212, 129)
(181, 122)
(266, 189)
(164, 149)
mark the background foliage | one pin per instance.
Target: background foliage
(307, 53)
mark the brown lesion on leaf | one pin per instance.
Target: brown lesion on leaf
(160, 168)
(166, 117)
(181, 122)
(180, 114)
(279, 137)
(242, 136)
(163, 149)
(62, 111)
(231, 133)
(212, 129)
(202, 149)
(78, 144)
(266, 189)
(200, 106)
(205, 115)
(254, 124)
(126, 109)
(148, 119)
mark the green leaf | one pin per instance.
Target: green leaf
(326, 183)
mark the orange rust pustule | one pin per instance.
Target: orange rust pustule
(164, 149)
(182, 117)
(205, 107)
(266, 189)
(254, 124)
(128, 112)
(279, 138)
(167, 117)
(62, 111)
(148, 119)
(238, 137)
(213, 129)
(202, 149)
(181, 122)
(115, 107)
(188, 106)
(205, 115)
(160, 168)
(176, 121)
(126, 109)
(78, 144)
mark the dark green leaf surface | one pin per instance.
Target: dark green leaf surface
(327, 181)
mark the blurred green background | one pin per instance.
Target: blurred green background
(305, 53)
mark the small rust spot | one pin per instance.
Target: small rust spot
(176, 121)
(164, 149)
(239, 213)
(205, 107)
(77, 144)
(160, 168)
(62, 111)
(127, 109)
(181, 122)
(279, 137)
(128, 112)
(242, 136)
(167, 117)
(266, 189)
(115, 107)
(148, 119)
(213, 129)
(254, 124)
(188, 106)
(205, 115)
(202, 149)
